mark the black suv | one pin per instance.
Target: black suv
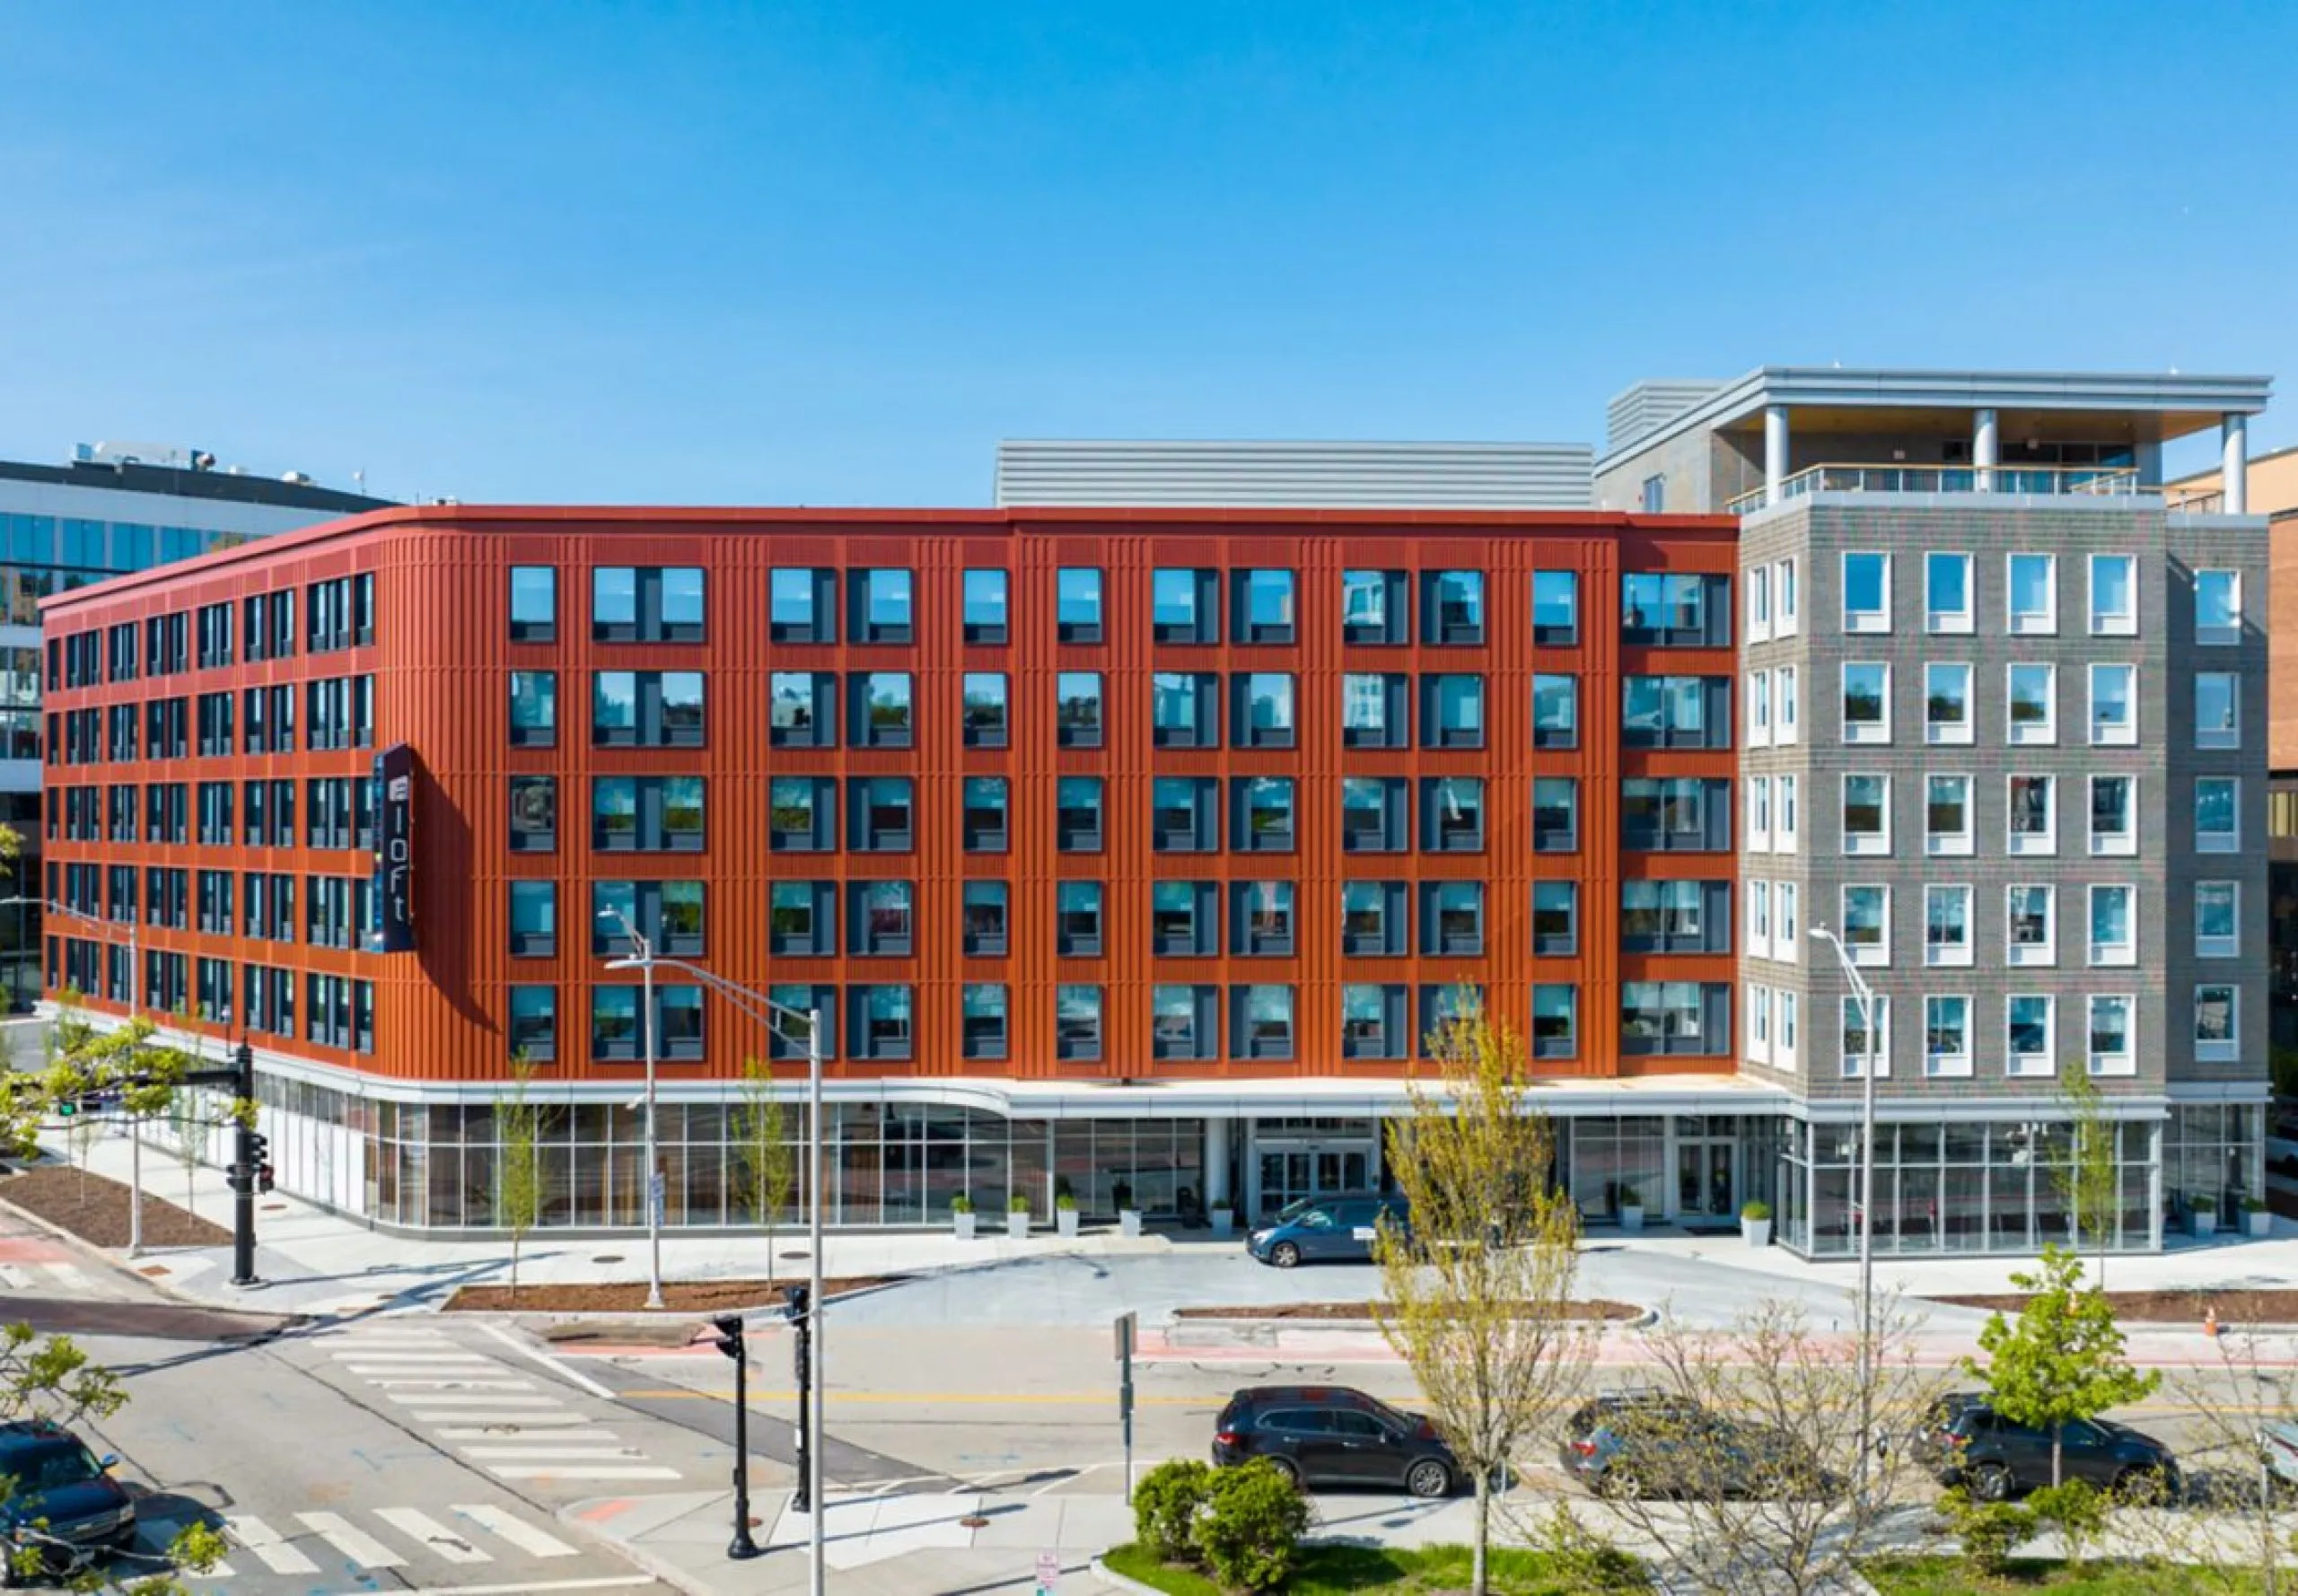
(1964, 1442)
(64, 1492)
(1649, 1443)
(1330, 1436)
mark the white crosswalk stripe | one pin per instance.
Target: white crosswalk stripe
(265, 1542)
(460, 1534)
(517, 1531)
(363, 1549)
(580, 1471)
(515, 1431)
(432, 1533)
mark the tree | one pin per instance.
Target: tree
(518, 1161)
(190, 1131)
(2063, 1359)
(124, 1063)
(2234, 1532)
(767, 1172)
(1479, 1278)
(2087, 1175)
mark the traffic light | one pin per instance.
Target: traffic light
(259, 1160)
(798, 1297)
(729, 1327)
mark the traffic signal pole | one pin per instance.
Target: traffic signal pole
(243, 1172)
(731, 1343)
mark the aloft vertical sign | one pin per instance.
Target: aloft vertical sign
(395, 848)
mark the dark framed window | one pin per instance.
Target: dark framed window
(534, 918)
(1184, 814)
(1675, 917)
(1077, 1022)
(533, 1023)
(1077, 716)
(885, 605)
(1453, 603)
(646, 814)
(988, 607)
(646, 604)
(1185, 1023)
(1556, 1021)
(802, 605)
(1452, 710)
(1555, 608)
(987, 709)
(534, 612)
(1675, 814)
(789, 1039)
(1452, 918)
(802, 709)
(1556, 711)
(1261, 1017)
(802, 919)
(1688, 1017)
(988, 815)
(884, 920)
(1675, 610)
(1556, 917)
(616, 1034)
(1373, 918)
(1185, 710)
(1262, 808)
(646, 708)
(1263, 919)
(1184, 919)
(1077, 919)
(668, 914)
(882, 815)
(1185, 605)
(883, 710)
(1264, 712)
(988, 918)
(1374, 814)
(1451, 809)
(1078, 814)
(1676, 712)
(1375, 709)
(1077, 604)
(534, 708)
(1374, 1022)
(1443, 1007)
(883, 1025)
(534, 814)
(985, 1025)
(1375, 607)
(1266, 606)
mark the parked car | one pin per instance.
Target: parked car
(1964, 1442)
(1649, 1442)
(1322, 1229)
(64, 1492)
(2278, 1447)
(1332, 1435)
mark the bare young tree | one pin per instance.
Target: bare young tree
(2087, 1175)
(2236, 1529)
(518, 1161)
(761, 1143)
(1481, 1279)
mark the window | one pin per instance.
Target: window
(1556, 814)
(646, 604)
(1867, 593)
(1674, 1017)
(1077, 603)
(1078, 709)
(2114, 824)
(1184, 606)
(1264, 601)
(1261, 917)
(881, 1023)
(1784, 942)
(2033, 703)
(1452, 918)
(2217, 709)
(1371, 917)
(884, 919)
(615, 1026)
(2114, 936)
(534, 918)
(1372, 1022)
(1867, 703)
(1946, 703)
(884, 602)
(987, 709)
(2033, 814)
(802, 606)
(1077, 814)
(802, 917)
(982, 1007)
(1946, 925)
(2217, 814)
(1866, 814)
(1451, 711)
(534, 610)
(1947, 815)
(1757, 579)
(1556, 711)
(2027, 1023)
(1555, 1020)
(1264, 712)
(987, 920)
(1184, 917)
(1784, 620)
(2031, 916)
(1077, 919)
(1077, 1022)
(988, 814)
(881, 709)
(1946, 593)
(1676, 712)
(2032, 588)
(1443, 1007)
(1947, 1036)
(1452, 810)
(668, 914)
(2114, 704)
(2217, 919)
(817, 1005)
(883, 814)
(1263, 1018)
(2110, 1042)
(1185, 708)
(646, 708)
(532, 1029)
(1867, 924)
(2114, 595)
(1372, 711)
(1785, 1034)
(1759, 709)
(1184, 814)
(1654, 497)
(534, 709)
(2217, 608)
(1674, 611)
(1556, 607)
(1758, 825)
(1675, 814)
(988, 610)
(1372, 607)
(1184, 1023)
(1262, 807)
(1784, 730)
(1455, 601)
(2217, 1022)
(1675, 917)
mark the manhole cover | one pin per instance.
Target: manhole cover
(608, 1258)
(973, 1522)
(788, 1257)
(154, 1270)
(274, 1207)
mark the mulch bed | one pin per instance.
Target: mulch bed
(678, 1296)
(2236, 1306)
(1598, 1308)
(96, 1209)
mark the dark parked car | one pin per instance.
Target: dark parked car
(1964, 1442)
(1647, 1443)
(1320, 1229)
(63, 1492)
(1330, 1436)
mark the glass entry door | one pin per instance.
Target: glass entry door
(1291, 1170)
(1704, 1185)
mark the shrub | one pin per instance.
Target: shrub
(1989, 1531)
(961, 1203)
(1629, 1197)
(2076, 1510)
(1251, 1526)
(1166, 1504)
(2203, 1204)
(2254, 1205)
(1755, 1210)
(1065, 1203)
(1579, 1559)
(1019, 1202)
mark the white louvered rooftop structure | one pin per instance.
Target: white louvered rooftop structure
(1341, 476)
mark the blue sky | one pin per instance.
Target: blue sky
(830, 254)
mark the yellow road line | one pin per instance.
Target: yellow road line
(1034, 1399)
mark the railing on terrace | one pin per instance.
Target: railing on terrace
(2041, 480)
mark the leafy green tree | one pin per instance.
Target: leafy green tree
(2088, 1179)
(762, 1148)
(2062, 1359)
(518, 1161)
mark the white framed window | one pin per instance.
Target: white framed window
(2114, 925)
(1784, 1027)
(1866, 701)
(1866, 813)
(1783, 835)
(2217, 608)
(2031, 712)
(1867, 923)
(1783, 930)
(1946, 925)
(2217, 1022)
(1946, 702)
(1947, 815)
(2113, 1028)
(1758, 709)
(2031, 588)
(1759, 580)
(1784, 599)
(2114, 595)
(2031, 924)
(2114, 815)
(1867, 591)
(1853, 1053)
(2029, 1026)
(2217, 709)
(1783, 694)
(2114, 704)
(1759, 919)
(1759, 814)
(1947, 1035)
(2217, 919)
(2217, 814)
(2032, 815)
(1758, 1023)
(1946, 593)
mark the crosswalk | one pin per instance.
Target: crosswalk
(371, 1539)
(502, 1418)
(45, 1279)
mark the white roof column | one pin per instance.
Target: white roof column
(1775, 452)
(1986, 448)
(2234, 462)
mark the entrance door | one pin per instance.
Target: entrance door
(1291, 1170)
(1704, 1182)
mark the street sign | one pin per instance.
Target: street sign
(1048, 1573)
(1126, 1325)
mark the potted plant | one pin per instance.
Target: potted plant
(1128, 1217)
(961, 1216)
(2256, 1218)
(1065, 1213)
(1755, 1223)
(1017, 1217)
(1631, 1208)
(2202, 1215)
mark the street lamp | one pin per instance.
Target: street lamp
(775, 1017)
(135, 1140)
(642, 959)
(1864, 996)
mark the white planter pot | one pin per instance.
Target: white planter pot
(2260, 1224)
(1755, 1232)
(1225, 1222)
(963, 1223)
(1631, 1219)
(2203, 1225)
(1065, 1221)
(1128, 1221)
(1017, 1226)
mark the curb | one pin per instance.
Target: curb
(663, 1568)
(1109, 1576)
(103, 1257)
